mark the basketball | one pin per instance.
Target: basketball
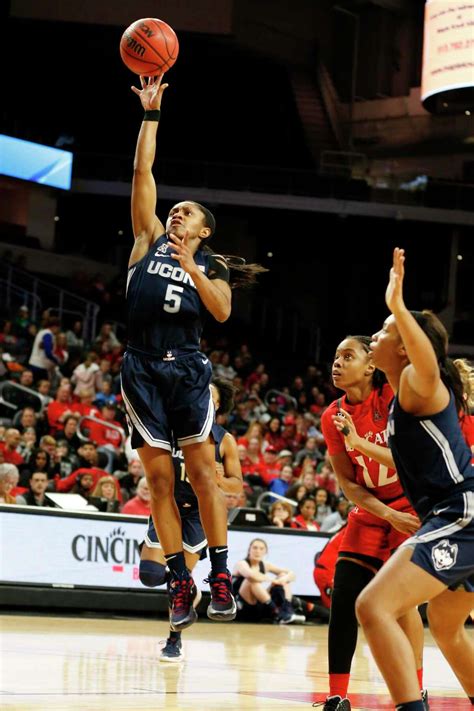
(149, 47)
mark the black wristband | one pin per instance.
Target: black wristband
(152, 115)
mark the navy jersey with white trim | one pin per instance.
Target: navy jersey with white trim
(164, 310)
(183, 491)
(432, 458)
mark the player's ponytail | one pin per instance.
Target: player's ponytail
(241, 274)
(438, 336)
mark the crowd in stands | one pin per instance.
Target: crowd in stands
(73, 436)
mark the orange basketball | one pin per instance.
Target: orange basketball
(149, 47)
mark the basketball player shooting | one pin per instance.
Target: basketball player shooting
(172, 282)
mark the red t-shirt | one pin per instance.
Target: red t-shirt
(11, 457)
(370, 420)
(137, 507)
(54, 411)
(101, 434)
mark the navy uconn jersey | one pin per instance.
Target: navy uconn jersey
(432, 458)
(164, 310)
(183, 491)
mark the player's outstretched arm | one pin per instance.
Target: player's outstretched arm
(422, 376)
(145, 222)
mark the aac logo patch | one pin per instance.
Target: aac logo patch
(444, 555)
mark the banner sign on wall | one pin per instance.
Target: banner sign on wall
(61, 549)
(448, 48)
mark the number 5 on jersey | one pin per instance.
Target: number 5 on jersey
(173, 299)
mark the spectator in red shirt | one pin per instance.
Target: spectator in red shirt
(273, 436)
(59, 409)
(270, 468)
(103, 435)
(9, 447)
(305, 520)
(140, 504)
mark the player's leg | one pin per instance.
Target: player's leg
(200, 467)
(351, 577)
(412, 625)
(447, 615)
(159, 471)
(398, 587)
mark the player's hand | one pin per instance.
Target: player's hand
(220, 473)
(404, 522)
(151, 92)
(345, 424)
(394, 292)
(182, 252)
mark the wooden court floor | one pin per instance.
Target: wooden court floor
(67, 663)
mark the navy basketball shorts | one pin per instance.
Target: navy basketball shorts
(444, 544)
(167, 400)
(194, 538)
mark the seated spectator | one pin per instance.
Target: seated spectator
(14, 478)
(84, 375)
(69, 434)
(74, 339)
(103, 435)
(48, 443)
(257, 601)
(103, 375)
(29, 418)
(224, 369)
(105, 395)
(280, 514)
(282, 483)
(65, 460)
(140, 504)
(323, 508)
(253, 462)
(43, 387)
(326, 477)
(106, 490)
(297, 492)
(5, 486)
(308, 479)
(26, 379)
(338, 518)
(273, 437)
(83, 484)
(284, 457)
(35, 496)
(39, 461)
(231, 503)
(85, 407)
(27, 443)
(10, 447)
(59, 409)
(128, 480)
(107, 335)
(270, 468)
(309, 450)
(305, 518)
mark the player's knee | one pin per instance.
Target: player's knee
(204, 483)
(151, 573)
(349, 580)
(364, 608)
(441, 626)
(161, 487)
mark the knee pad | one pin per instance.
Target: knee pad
(151, 573)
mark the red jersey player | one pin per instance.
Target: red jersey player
(382, 518)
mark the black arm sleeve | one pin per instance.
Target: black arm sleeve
(218, 268)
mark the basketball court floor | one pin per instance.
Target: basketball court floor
(72, 663)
